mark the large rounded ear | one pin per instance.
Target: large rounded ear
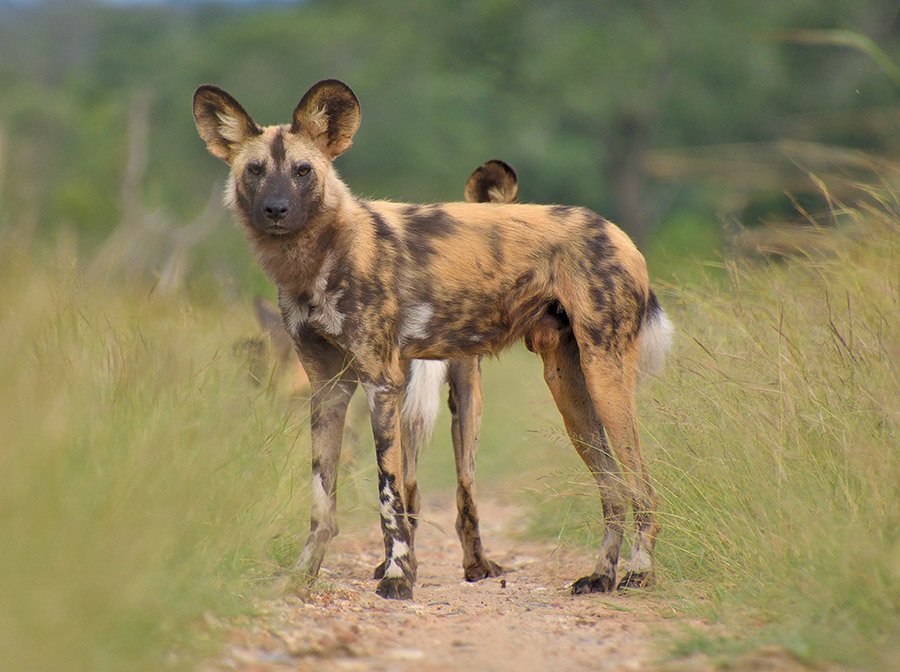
(329, 114)
(222, 122)
(492, 182)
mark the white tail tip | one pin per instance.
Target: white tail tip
(656, 340)
(423, 395)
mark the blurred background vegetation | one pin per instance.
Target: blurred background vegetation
(147, 486)
(669, 118)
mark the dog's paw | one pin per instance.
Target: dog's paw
(395, 589)
(595, 583)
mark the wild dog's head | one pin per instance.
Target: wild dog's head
(492, 182)
(281, 176)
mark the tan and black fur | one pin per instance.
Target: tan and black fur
(492, 182)
(364, 285)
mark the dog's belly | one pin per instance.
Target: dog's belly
(466, 326)
(455, 345)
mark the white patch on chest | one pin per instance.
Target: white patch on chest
(415, 322)
(323, 305)
(326, 315)
(320, 284)
(321, 310)
(294, 313)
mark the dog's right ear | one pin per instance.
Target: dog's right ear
(492, 182)
(221, 121)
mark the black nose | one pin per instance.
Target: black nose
(275, 208)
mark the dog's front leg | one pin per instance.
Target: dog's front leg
(384, 395)
(333, 385)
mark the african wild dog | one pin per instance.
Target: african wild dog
(492, 182)
(365, 284)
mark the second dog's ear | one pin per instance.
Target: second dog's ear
(221, 121)
(329, 113)
(492, 182)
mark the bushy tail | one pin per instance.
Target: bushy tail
(656, 339)
(422, 398)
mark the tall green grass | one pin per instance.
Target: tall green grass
(145, 482)
(772, 440)
(142, 478)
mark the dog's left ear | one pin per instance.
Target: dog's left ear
(329, 113)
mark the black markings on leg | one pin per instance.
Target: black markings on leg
(395, 588)
(637, 580)
(476, 565)
(328, 408)
(398, 576)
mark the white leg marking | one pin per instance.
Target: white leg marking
(321, 502)
(388, 513)
(393, 571)
(640, 560)
(371, 390)
(401, 549)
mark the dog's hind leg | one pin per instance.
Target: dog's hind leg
(466, 408)
(611, 378)
(412, 438)
(563, 375)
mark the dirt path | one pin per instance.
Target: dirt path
(526, 620)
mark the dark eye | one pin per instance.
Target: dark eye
(302, 169)
(255, 169)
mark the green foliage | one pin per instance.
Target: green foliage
(677, 252)
(571, 93)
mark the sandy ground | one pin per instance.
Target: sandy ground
(525, 620)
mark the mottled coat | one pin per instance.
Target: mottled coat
(365, 284)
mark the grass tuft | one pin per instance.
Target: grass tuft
(146, 483)
(772, 440)
(143, 478)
